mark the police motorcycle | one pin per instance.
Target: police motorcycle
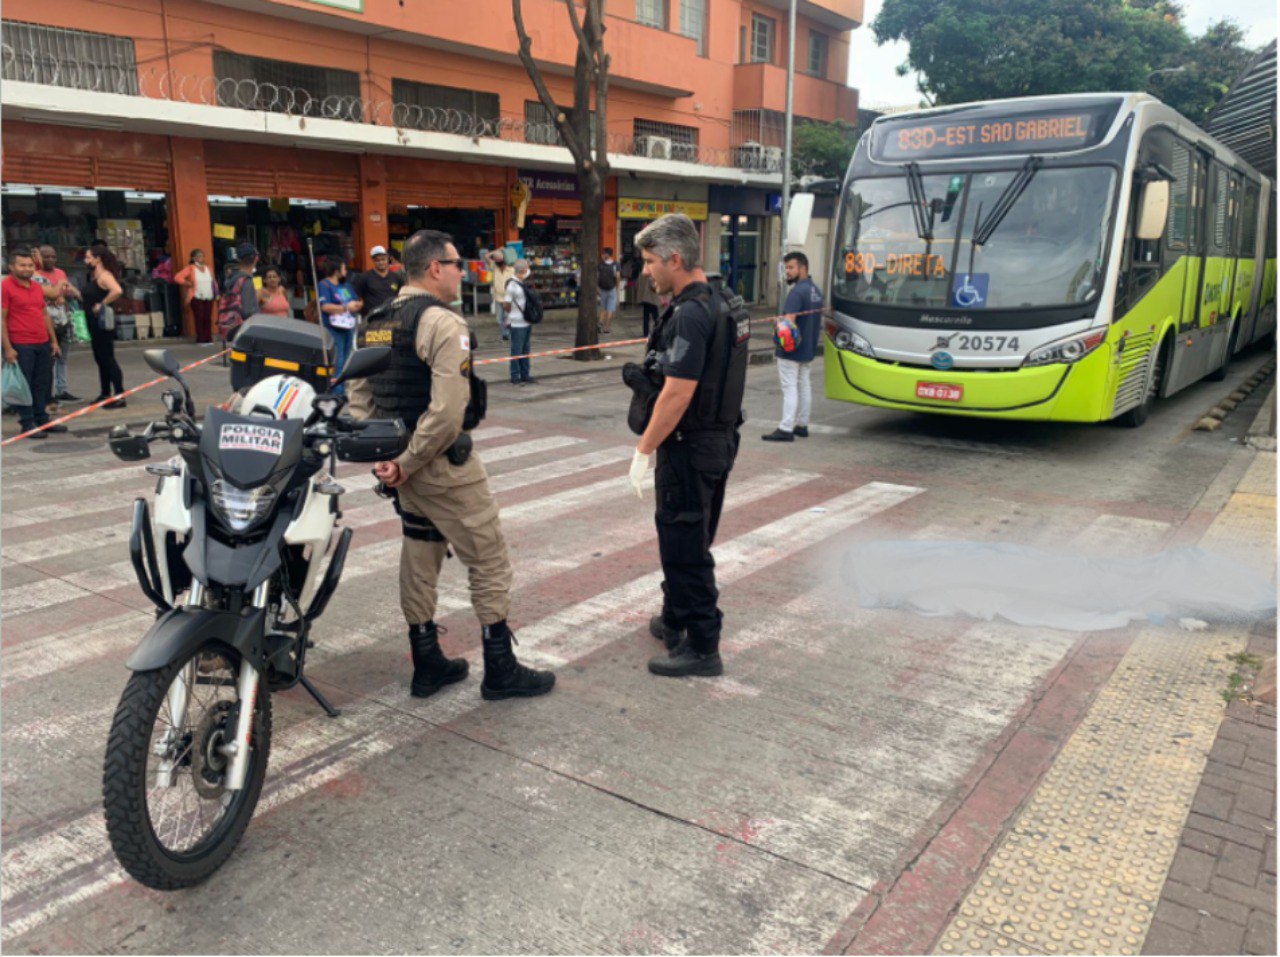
(245, 513)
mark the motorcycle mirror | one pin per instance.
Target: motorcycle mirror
(162, 361)
(365, 362)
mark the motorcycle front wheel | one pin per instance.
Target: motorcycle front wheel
(170, 818)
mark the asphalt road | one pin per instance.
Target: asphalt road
(622, 813)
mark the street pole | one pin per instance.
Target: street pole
(786, 151)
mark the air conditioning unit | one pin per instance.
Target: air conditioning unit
(772, 158)
(750, 155)
(654, 147)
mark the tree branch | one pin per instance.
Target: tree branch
(544, 94)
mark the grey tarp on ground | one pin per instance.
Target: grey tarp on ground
(1029, 586)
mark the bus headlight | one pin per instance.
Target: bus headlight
(848, 341)
(1068, 350)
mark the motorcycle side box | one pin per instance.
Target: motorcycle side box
(274, 345)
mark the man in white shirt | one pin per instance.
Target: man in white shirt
(514, 301)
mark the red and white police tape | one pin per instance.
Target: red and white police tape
(479, 362)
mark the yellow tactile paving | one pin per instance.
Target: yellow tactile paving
(1081, 870)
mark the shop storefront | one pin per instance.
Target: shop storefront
(740, 245)
(69, 190)
(551, 237)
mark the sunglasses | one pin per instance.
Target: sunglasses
(460, 263)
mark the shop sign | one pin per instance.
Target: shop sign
(544, 185)
(653, 208)
(774, 202)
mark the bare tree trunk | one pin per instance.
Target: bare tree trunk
(590, 154)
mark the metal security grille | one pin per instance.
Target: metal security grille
(693, 22)
(763, 127)
(277, 86)
(71, 58)
(684, 139)
(652, 13)
(440, 108)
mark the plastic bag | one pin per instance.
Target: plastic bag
(79, 323)
(14, 388)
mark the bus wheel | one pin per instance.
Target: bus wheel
(1138, 415)
(1220, 373)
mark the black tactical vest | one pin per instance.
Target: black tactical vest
(403, 391)
(717, 401)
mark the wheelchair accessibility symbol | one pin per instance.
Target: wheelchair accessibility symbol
(970, 290)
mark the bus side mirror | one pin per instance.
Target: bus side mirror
(1153, 210)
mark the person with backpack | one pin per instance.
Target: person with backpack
(607, 280)
(524, 311)
(239, 294)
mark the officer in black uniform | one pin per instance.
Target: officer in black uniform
(687, 409)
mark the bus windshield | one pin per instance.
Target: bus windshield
(1047, 250)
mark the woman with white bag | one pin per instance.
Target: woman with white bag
(338, 310)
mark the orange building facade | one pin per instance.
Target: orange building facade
(202, 123)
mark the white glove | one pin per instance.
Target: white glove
(639, 467)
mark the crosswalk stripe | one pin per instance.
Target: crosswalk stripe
(40, 863)
(572, 633)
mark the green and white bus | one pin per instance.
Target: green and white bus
(1059, 258)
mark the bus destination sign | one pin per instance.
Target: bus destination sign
(988, 136)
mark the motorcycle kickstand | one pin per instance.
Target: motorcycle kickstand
(321, 700)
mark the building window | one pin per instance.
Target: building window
(693, 22)
(445, 109)
(817, 53)
(652, 13)
(684, 140)
(72, 58)
(541, 125)
(276, 86)
(762, 33)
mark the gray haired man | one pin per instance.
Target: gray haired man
(698, 352)
(516, 302)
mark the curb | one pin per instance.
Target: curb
(1262, 433)
(1213, 418)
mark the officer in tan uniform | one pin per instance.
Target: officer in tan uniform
(442, 487)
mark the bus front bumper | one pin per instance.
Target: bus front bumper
(1059, 392)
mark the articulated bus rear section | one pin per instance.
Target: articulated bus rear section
(1067, 258)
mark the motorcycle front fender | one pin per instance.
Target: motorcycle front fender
(178, 633)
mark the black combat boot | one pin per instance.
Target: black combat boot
(504, 676)
(666, 634)
(683, 661)
(431, 669)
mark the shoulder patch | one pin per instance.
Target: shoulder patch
(466, 341)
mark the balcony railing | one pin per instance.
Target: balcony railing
(247, 94)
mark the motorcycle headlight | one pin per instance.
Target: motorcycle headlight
(1068, 350)
(241, 507)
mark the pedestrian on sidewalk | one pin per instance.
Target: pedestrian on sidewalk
(699, 355)
(803, 311)
(650, 301)
(441, 486)
(200, 292)
(239, 298)
(338, 309)
(518, 304)
(101, 289)
(272, 299)
(500, 275)
(58, 290)
(29, 339)
(607, 278)
(377, 286)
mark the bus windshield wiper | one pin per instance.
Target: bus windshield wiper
(1012, 193)
(921, 209)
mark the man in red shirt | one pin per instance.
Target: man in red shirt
(29, 338)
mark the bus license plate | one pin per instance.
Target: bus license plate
(939, 390)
